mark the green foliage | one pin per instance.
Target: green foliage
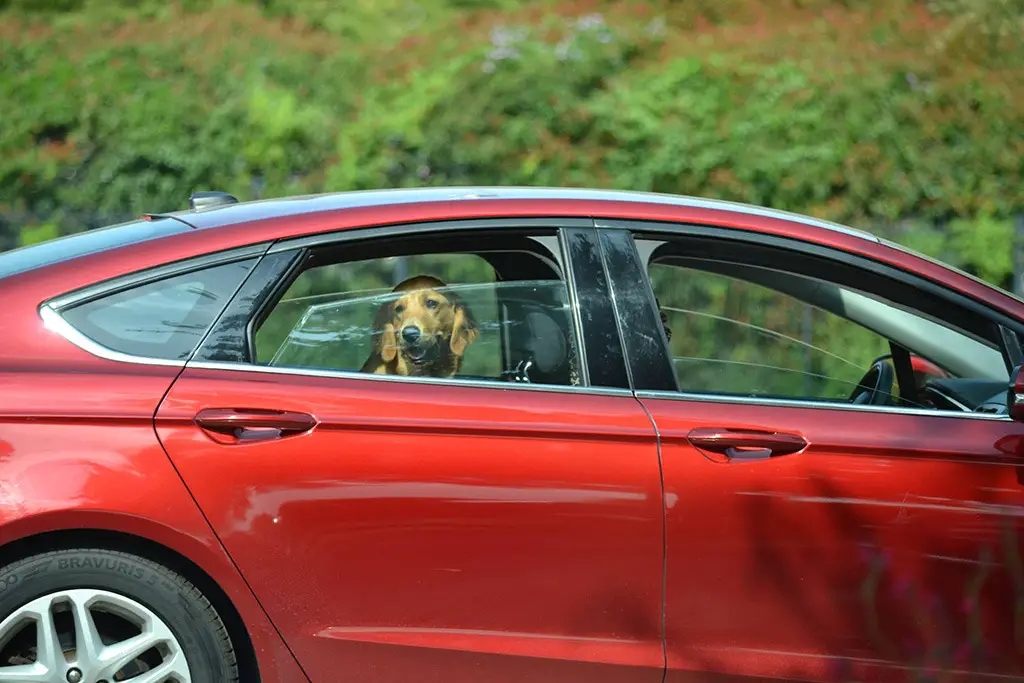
(983, 247)
(991, 31)
(125, 106)
(765, 136)
(34, 234)
(509, 112)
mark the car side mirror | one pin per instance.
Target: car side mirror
(1015, 395)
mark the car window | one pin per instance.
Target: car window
(734, 337)
(731, 333)
(463, 323)
(165, 319)
(83, 243)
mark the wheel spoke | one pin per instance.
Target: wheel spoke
(172, 668)
(115, 657)
(26, 673)
(49, 652)
(87, 639)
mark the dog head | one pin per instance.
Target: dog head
(424, 331)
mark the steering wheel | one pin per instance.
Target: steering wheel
(875, 388)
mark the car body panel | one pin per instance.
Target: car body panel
(811, 565)
(78, 451)
(493, 533)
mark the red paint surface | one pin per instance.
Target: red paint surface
(78, 451)
(890, 541)
(516, 533)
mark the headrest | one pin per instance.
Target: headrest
(546, 342)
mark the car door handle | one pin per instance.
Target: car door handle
(744, 444)
(252, 425)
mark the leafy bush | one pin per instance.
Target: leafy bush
(988, 31)
(525, 110)
(509, 112)
(128, 106)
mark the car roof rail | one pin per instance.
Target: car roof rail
(205, 200)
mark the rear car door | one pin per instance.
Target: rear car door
(825, 521)
(504, 524)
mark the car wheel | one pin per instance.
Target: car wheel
(92, 616)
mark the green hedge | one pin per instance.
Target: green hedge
(130, 106)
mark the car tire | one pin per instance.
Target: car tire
(121, 600)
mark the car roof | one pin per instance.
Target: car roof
(243, 212)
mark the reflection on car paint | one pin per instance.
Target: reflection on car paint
(945, 654)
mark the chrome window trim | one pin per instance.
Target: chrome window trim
(143, 277)
(50, 310)
(947, 397)
(413, 228)
(818, 405)
(428, 381)
(53, 321)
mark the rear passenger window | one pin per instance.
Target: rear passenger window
(165, 319)
(498, 314)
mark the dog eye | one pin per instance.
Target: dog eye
(399, 308)
(431, 303)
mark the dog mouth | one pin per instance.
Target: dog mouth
(420, 354)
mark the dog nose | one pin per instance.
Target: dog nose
(410, 334)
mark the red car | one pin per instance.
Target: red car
(505, 435)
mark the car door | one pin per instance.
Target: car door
(810, 537)
(501, 525)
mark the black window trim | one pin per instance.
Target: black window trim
(601, 351)
(663, 230)
(636, 313)
(585, 288)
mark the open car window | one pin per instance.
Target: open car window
(337, 333)
(469, 322)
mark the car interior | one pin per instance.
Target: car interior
(534, 327)
(975, 373)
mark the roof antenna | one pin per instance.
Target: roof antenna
(205, 200)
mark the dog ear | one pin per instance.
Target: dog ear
(464, 329)
(385, 344)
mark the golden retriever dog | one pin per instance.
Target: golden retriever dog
(423, 333)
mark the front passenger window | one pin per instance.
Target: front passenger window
(745, 330)
(731, 336)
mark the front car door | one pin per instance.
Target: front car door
(504, 524)
(831, 514)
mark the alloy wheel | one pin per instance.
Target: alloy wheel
(89, 636)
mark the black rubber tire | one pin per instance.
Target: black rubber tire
(186, 611)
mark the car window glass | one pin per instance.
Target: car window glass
(736, 337)
(467, 325)
(164, 319)
(730, 334)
